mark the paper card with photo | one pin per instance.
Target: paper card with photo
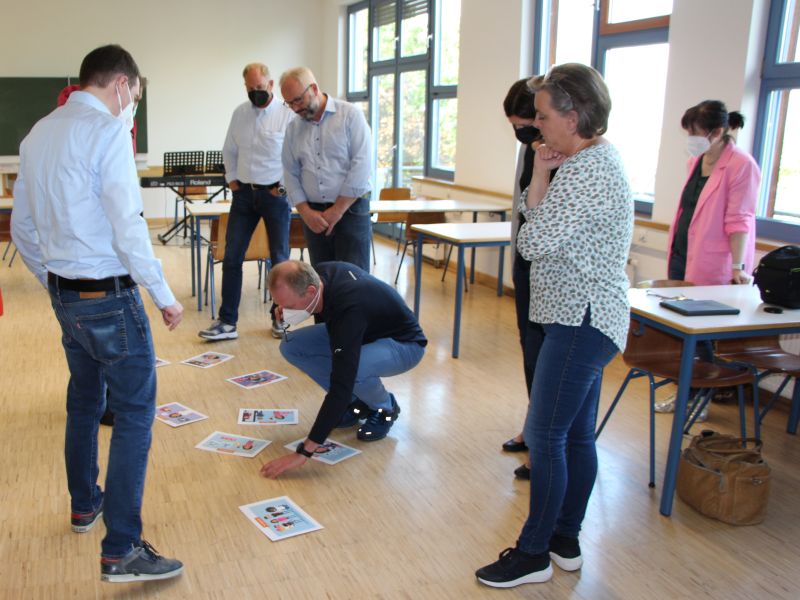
(230, 443)
(160, 362)
(206, 360)
(268, 416)
(257, 379)
(331, 452)
(279, 518)
(176, 414)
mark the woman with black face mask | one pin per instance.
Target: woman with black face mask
(518, 106)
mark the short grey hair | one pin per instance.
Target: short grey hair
(294, 274)
(573, 86)
(303, 75)
(260, 67)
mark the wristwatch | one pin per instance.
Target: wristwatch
(301, 449)
(281, 190)
(739, 266)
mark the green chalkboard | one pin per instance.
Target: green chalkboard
(25, 100)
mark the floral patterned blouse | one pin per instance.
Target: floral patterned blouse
(577, 240)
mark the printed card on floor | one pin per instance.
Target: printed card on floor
(330, 452)
(279, 518)
(257, 379)
(230, 443)
(160, 362)
(206, 360)
(268, 416)
(176, 414)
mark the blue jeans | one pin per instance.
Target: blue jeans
(248, 208)
(530, 334)
(559, 430)
(309, 349)
(108, 345)
(349, 241)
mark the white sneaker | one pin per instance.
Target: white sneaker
(666, 406)
(219, 331)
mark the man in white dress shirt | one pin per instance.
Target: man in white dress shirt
(326, 163)
(78, 227)
(252, 157)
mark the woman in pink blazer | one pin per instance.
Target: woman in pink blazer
(712, 239)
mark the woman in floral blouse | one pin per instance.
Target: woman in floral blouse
(577, 234)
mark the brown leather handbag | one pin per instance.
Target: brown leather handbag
(725, 477)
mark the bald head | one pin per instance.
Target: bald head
(302, 75)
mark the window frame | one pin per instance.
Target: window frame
(398, 65)
(606, 36)
(775, 76)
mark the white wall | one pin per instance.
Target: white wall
(191, 52)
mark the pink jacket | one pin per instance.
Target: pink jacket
(726, 205)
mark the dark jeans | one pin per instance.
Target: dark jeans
(108, 345)
(350, 239)
(248, 208)
(559, 430)
(530, 334)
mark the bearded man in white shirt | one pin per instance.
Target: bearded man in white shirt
(253, 169)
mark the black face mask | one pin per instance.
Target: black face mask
(527, 134)
(259, 98)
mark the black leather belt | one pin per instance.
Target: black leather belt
(108, 284)
(258, 186)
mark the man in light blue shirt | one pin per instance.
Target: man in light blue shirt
(326, 165)
(252, 156)
(78, 227)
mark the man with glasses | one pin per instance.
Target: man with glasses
(326, 164)
(252, 157)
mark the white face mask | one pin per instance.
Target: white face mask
(295, 316)
(126, 114)
(697, 145)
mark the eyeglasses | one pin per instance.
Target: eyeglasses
(298, 100)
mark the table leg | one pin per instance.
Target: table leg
(472, 258)
(500, 267)
(459, 294)
(197, 246)
(192, 225)
(678, 418)
(418, 271)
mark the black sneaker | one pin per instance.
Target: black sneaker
(566, 552)
(142, 563)
(514, 568)
(357, 411)
(378, 423)
(83, 522)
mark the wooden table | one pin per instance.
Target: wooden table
(461, 235)
(752, 321)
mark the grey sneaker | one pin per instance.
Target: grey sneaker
(142, 563)
(83, 522)
(219, 331)
(277, 330)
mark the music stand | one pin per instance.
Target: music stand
(214, 163)
(183, 164)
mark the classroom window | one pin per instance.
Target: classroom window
(626, 40)
(358, 50)
(779, 113)
(402, 68)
